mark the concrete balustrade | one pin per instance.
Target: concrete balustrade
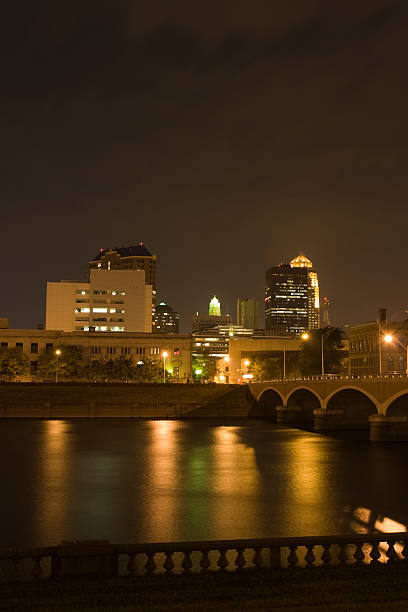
(105, 559)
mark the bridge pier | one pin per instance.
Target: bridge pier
(291, 414)
(328, 419)
(388, 428)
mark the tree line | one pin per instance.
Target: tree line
(14, 364)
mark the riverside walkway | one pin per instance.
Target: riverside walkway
(379, 403)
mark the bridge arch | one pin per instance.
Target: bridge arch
(397, 404)
(303, 388)
(268, 400)
(353, 406)
(354, 388)
(259, 394)
(305, 399)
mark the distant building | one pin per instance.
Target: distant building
(368, 347)
(214, 342)
(325, 312)
(134, 257)
(113, 300)
(247, 313)
(291, 298)
(4, 323)
(214, 317)
(97, 345)
(166, 320)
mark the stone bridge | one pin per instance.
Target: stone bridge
(377, 403)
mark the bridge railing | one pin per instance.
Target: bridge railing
(104, 558)
(335, 378)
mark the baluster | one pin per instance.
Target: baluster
(205, 562)
(391, 553)
(132, 564)
(258, 559)
(240, 561)
(326, 554)
(359, 554)
(404, 551)
(222, 559)
(342, 555)
(150, 564)
(187, 564)
(15, 569)
(292, 557)
(36, 570)
(375, 553)
(310, 556)
(169, 563)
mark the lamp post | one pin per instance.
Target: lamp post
(323, 337)
(57, 354)
(390, 338)
(164, 355)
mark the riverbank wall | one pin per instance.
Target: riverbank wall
(148, 401)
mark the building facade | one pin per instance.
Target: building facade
(167, 321)
(292, 298)
(247, 313)
(368, 348)
(99, 345)
(112, 301)
(134, 257)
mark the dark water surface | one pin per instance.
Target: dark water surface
(173, 480)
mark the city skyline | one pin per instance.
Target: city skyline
(224, 140)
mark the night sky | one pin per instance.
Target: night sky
(225, 135)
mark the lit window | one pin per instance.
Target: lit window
(99, 310)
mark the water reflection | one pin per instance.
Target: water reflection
(162, 477)
(54, 491)
(172, 480)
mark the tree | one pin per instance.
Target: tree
(13, 363)
(310, 357)
(207, 365)
(70, 363)
(264, 368)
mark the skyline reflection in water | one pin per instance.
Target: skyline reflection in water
(130, 481)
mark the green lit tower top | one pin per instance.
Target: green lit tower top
(215, 307)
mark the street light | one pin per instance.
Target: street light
(323, 337)
(57, 353)
(164, 355)
(390, 338)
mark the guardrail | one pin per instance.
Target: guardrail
(106, 559)
(335, 377)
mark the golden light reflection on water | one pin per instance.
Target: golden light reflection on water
(54, 494)
(235, 484)
(308, 486)
(162, 477)
(234, 464)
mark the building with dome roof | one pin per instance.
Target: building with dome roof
(292, 303)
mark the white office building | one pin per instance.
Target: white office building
(112, 301)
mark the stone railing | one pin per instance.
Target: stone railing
(335, 377)
(106, 559)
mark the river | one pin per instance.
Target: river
(146, 481)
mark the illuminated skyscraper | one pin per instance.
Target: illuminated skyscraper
(214, 309)
(214, 317)
(166, 320)
(292, 298)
